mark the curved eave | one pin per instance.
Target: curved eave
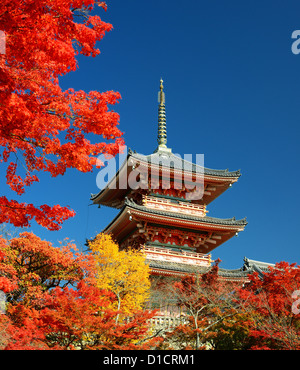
(164, 217)
(116, 220)
(105, 195)
(113, 193)
(178, 269)
(233, 274)
(180, 164)
(127, 220)
(167, 268)
(208, 221)
(171, 268)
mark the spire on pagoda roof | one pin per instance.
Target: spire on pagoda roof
(162, 126)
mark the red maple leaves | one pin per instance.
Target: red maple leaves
(269, 302)
(261, 313)
(53, 301)
(43, 128)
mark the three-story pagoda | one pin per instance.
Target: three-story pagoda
(164, 215)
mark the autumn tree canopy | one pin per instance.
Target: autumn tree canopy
(271, 301)
(53, 301)
(124, 273)
(260, 313)
(205, 301)
(42, 127)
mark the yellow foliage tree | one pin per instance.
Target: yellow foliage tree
(125, 273)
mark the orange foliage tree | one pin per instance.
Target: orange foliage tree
(262, 313)
(272, 303)
(210, 315)
(53, 302)
(42, 127)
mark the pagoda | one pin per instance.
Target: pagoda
(164, 216)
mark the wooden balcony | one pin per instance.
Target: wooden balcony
(166, 254)
(176, 207)
(167, 323)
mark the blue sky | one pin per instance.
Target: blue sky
(232, 88)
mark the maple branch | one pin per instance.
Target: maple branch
(30, 141)
(143, 340)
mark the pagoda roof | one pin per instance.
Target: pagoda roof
(178, 163)
(113, 195)
(174, 268)
(248, 267)
(129, 218)
(207, 220)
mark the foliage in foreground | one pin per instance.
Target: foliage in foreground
(42, 127)
(54, 302)
(124, 273)
(58, 298)
(262, 314)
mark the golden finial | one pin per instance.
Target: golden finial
(161, 94)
